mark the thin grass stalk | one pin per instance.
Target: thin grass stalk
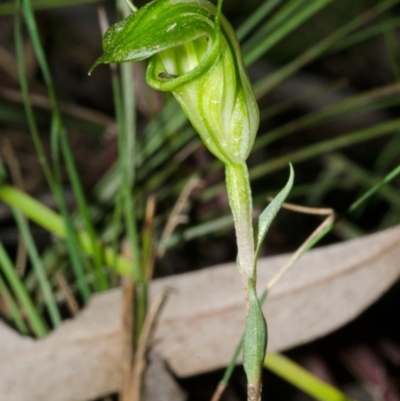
(126, 145)
(365, 178)
(253, 51)
(164, 154)
(389, 154)
(200, 230)
(254, 19)
(100, 284)
(51, 259)
(117, 213)
(391, 150)
(19, 48)
(365, 34)
(165, 125)
(302, 379)
(3, 173)
(393, 49)
(13, 311)
(148, 239)
(36, 323)
(286, 105)
(275, 24)
(37, 264)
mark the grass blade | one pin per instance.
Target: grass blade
(44, 284)
(302, 379)
(268, 215)
(253, 50)
(261, 12)
(28, 307)
(13, 310)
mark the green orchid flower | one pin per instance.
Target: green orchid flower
(193, 52)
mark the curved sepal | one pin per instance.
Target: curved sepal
(159, 25)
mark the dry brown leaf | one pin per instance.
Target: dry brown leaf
(202, 320)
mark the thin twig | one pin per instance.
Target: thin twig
(285, 268)
(65, 289)
(139, 364)
(307, 210)
(176, 218)
(43, 102)
(148, 237)
(218, 391)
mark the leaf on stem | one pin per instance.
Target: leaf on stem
(254, 340)
(268, 215)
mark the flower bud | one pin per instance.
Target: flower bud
(193, 52)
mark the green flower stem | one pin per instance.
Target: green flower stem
(255, 337)
(239, 194)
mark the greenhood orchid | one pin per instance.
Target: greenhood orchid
(193, 52)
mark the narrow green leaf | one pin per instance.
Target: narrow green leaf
(254, 339)
(6, 267)
(12, 309)
(260, 13)
(301, 378)
(37, 264)
(256, 50)
(268, 215)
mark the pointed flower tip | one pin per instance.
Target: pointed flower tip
(96, 64)
(92, 68)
